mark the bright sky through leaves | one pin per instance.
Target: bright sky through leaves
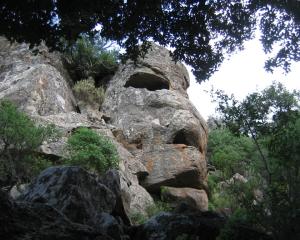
(243, 73)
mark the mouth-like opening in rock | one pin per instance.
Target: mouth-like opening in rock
(146, 80)
(187, 138)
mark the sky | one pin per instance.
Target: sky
(242, 74)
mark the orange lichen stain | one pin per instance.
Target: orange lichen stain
(149, 165)
(180, 147)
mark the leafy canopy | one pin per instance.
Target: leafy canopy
(201, 32)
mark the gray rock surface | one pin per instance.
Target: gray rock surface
(34, 221)
(174, 165)
(149, 103)
(67, 123)
(32, 81)
(131, 197)
(72, 191)
(193, 197)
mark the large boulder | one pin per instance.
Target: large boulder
(193, 197)
(131, 197)
(72, 191)
(174, 165)
(149, 103)
(186, 225)
(32, 81)
(33, 221)
(189, 223)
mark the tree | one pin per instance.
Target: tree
(271, 118)
(19, 139)
(201, 32)
(89, 57)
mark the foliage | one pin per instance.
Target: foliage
(92, 151)
(86, 92)
(260, 113)
(90, 57)
(229, 153)
(272, 119)
(157, 207)
(230, 231)
(19, 138)
(151, 210)
(138, 218)
(201, 32)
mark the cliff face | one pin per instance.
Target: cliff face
(165, 132)
(160, 136)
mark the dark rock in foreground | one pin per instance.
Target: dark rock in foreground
(192, 225)
(40, 222)
(72, 191)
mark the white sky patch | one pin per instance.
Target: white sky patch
(242, 74)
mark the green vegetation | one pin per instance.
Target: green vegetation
(259, 138)
(91, 151)
(151, 210)
(86, 92)
(19, 138)
(89, 57)
(201, 32)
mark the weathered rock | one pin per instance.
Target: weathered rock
(154, 115)
(72, 191)
(67, 123)
(108, 225)
(131, 197)
(17, 190)
(149, 103)
(190, 225)
(30, 81)
(174, 165)
(40, 221)
(193, 197)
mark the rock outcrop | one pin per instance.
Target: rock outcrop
(160, 126)
(70, 188)
(35, 82)
(181, 225)
(193, 197)
(159, 135)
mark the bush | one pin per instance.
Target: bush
(90, 57)
(231, 154)
(86, 92)
(91, 151)
(19, 138)
(151, 210)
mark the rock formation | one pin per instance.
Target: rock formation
(159, 135)
(160, 126)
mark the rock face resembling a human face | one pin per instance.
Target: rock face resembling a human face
(160, 126)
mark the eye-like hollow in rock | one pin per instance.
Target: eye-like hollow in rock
(188, 138)
(147, 80)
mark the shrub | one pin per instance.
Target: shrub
(138, 218)
(86, 92)
(91, 151)
(157, 207)
(90, 57)
(151, 210)
(19, 138)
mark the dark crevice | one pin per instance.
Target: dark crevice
(77, 109)
(146, 80)
(187, 138)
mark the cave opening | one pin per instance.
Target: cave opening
(146, 80)
(186, 138)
